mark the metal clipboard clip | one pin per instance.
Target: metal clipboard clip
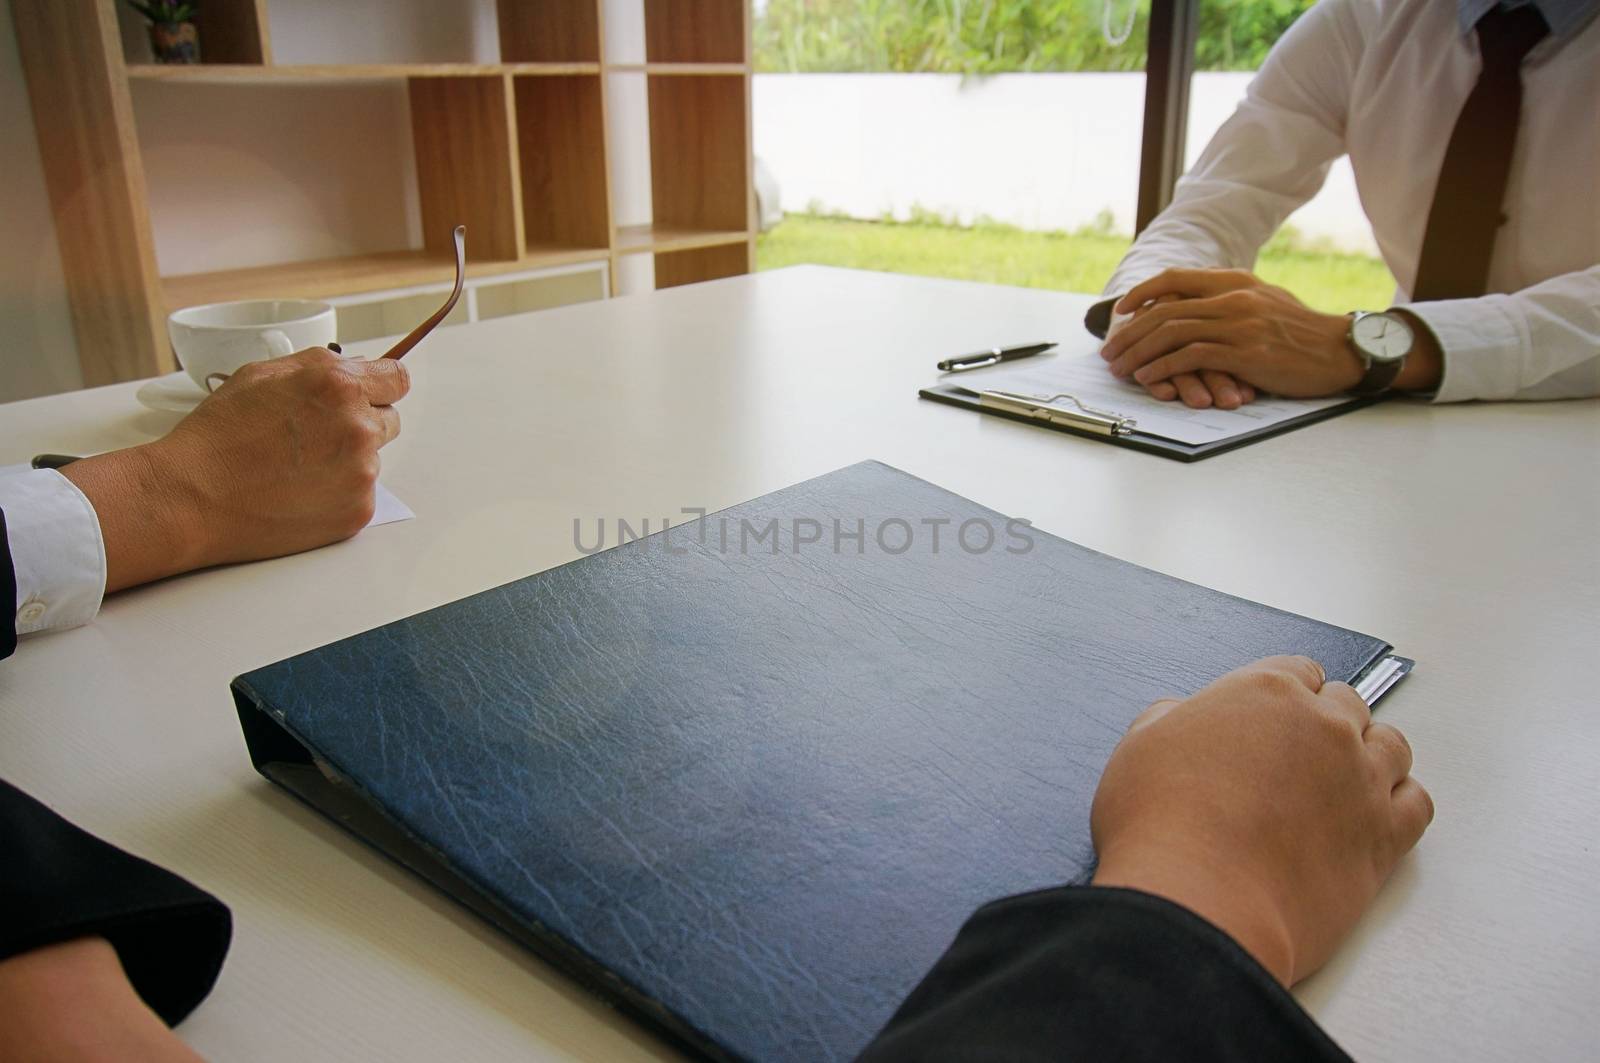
(1042, 407)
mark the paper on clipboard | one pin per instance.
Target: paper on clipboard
(1085, 377)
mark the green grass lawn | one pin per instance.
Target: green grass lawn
(1076, 262)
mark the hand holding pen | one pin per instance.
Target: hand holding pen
(416, 335)
(282, 457)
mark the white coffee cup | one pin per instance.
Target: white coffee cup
(220, 337)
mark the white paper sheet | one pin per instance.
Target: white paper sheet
(1085, 377)
(389, 508)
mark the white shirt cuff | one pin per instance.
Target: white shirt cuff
(1479, 341)
(56, 549)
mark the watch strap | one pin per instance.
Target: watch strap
(1380, 376)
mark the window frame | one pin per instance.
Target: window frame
(1169, 69)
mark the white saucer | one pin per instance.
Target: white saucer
(173, 393)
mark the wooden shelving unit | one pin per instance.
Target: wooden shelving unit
(515, 149)
(632, 239)
(237, 73)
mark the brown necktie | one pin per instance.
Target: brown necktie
(1469, 200)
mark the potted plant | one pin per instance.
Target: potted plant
(173, 36)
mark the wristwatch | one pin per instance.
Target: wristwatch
(1382, 341)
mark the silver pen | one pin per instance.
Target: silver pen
(993, 356)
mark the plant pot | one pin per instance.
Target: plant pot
(175, 42)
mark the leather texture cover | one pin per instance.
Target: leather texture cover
(751, 792)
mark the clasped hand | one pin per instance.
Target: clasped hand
(1218, 336)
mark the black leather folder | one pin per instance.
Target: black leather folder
(746, 778)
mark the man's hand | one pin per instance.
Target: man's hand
(1268, 803)
(72, 1003)
(1201, 389)
(282, 458)
(1230, 321)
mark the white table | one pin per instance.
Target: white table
(1467, 536)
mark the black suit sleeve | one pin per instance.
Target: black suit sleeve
(60, 883)
(1098, 320)
(1090, 973)
(8, 594)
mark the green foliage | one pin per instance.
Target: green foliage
(1104, 224)
(165, 10)
(940, 36)
(1333, 282)
(999, 36)
(1238, 34)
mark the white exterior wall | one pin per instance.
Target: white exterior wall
(1041, 151)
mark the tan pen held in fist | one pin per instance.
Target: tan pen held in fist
(415, 336)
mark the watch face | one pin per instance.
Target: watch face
(1382, 337)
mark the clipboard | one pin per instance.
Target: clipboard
(1064, 413)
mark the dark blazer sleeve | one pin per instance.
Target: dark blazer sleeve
(1090, 973)
(60, 883)
(8, 594)
(1098, 319)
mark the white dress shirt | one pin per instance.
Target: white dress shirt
(1383, 81)
(56, 549)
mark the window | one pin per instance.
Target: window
(964, 138)
(1002, 142)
